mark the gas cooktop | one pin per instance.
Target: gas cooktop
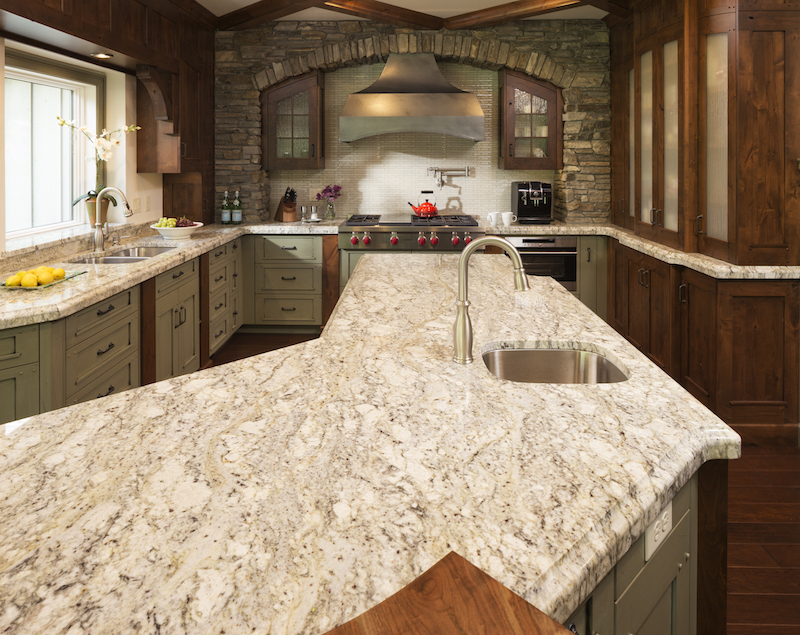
(410, 220)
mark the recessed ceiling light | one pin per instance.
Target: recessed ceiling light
(102, 56)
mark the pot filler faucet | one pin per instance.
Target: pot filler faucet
(462, 328)
(99, 235)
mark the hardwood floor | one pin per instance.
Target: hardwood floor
(763, 521)
(764, 542)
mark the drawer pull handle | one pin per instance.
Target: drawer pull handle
(110, 390)
(110, 346)
(235, 275)
(288, 279)
(292, 248)
(218, 279)
(235, 245)
(178, 275)
(283, 308)
(102, 312)
(236, 313)
(11, 356)
(220, 333)
(219, 306)
(219, 253)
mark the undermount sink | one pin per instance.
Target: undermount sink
(552, 366)
(125, 256)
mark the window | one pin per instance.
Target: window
(46, 166)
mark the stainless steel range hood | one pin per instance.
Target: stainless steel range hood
(411, 95)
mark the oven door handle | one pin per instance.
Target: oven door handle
(525, 252)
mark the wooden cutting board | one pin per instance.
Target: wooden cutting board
(453, 597)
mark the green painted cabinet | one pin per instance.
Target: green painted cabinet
(19, 372)
(224, 293)
(592, 273)
(177, 321)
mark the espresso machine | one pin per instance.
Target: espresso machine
(532, 202)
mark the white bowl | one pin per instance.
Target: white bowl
(176, 233)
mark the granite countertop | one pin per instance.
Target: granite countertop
(291, 491)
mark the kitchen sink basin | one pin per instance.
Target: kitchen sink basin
(140, 252)
(552, 366)
(125, 256)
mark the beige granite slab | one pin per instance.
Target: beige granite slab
(290, 492)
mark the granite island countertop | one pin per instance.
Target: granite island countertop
(291, 491)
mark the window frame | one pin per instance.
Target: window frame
(27, 67)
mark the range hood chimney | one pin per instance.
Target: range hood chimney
(411, 95)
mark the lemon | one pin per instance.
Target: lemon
(58, 274)
(13, 281)
(29, 280)
(45, 277)
(21, 273)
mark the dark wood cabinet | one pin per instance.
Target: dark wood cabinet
(643, 304)
(530, 123)
(698, 298)
(292, 124)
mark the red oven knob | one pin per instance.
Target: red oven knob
(366, 240)
(394, 239)
(354, 239)
(456, 240)
(467, 239)
(421, 240)
(434, 239)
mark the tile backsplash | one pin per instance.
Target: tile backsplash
(383, 173)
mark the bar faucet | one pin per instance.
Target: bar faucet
(462, 327)
(99, 234)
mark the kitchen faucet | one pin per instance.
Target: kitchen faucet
(462, 328)
(99, 235)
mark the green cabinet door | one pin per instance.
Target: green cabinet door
(186, 340)
(592, 274)
(166, 323)
(19, 392)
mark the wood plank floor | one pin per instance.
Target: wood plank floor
(764, 542)
(763, 521)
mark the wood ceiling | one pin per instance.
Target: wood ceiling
(269, 10)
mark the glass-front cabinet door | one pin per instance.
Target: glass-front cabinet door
(530, 125)
(291, 121)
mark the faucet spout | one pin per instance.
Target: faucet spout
(462, 328)
(99, 235)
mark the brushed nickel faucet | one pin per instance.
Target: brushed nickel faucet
(462, 328)
(99, 234)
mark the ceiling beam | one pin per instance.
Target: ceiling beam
(385, 13)
(618, 8)
(264, 11)
(507, 12)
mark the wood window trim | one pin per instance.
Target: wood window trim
(545, 90)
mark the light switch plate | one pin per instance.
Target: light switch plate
(658, 530)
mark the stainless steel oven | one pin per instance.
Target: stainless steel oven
(554, 256)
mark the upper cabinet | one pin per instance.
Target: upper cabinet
(530, 124)
(291, 124)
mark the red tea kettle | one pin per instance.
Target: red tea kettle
(426, 208)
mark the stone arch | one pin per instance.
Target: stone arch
(488, 52)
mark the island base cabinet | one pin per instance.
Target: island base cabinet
(19, 392)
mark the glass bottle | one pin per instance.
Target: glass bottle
(236, 210)
(225, 216)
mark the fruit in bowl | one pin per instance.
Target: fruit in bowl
(172, 228)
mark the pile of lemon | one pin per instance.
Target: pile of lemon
(36, 277)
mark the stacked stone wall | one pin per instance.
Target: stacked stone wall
(571, 54)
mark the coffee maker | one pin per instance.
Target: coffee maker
(532, 202)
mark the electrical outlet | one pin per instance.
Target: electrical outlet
(147, 203)
(658, 530)
(136, 204)
(312, 194)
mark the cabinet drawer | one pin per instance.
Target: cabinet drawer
(89, 321)
(218, 332)
(172, 279)
(120, 378)
(218, 304)
(306, 279)
(269, 248)
(219, 277)
(288, 310)
(218, 254)
(19, 392)
(95, 355)
(19, 346)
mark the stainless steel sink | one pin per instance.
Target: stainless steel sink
(552, 366)
(125, 256)
(110, 260)
(140, 252)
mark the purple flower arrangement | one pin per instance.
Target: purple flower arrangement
(330, 193)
